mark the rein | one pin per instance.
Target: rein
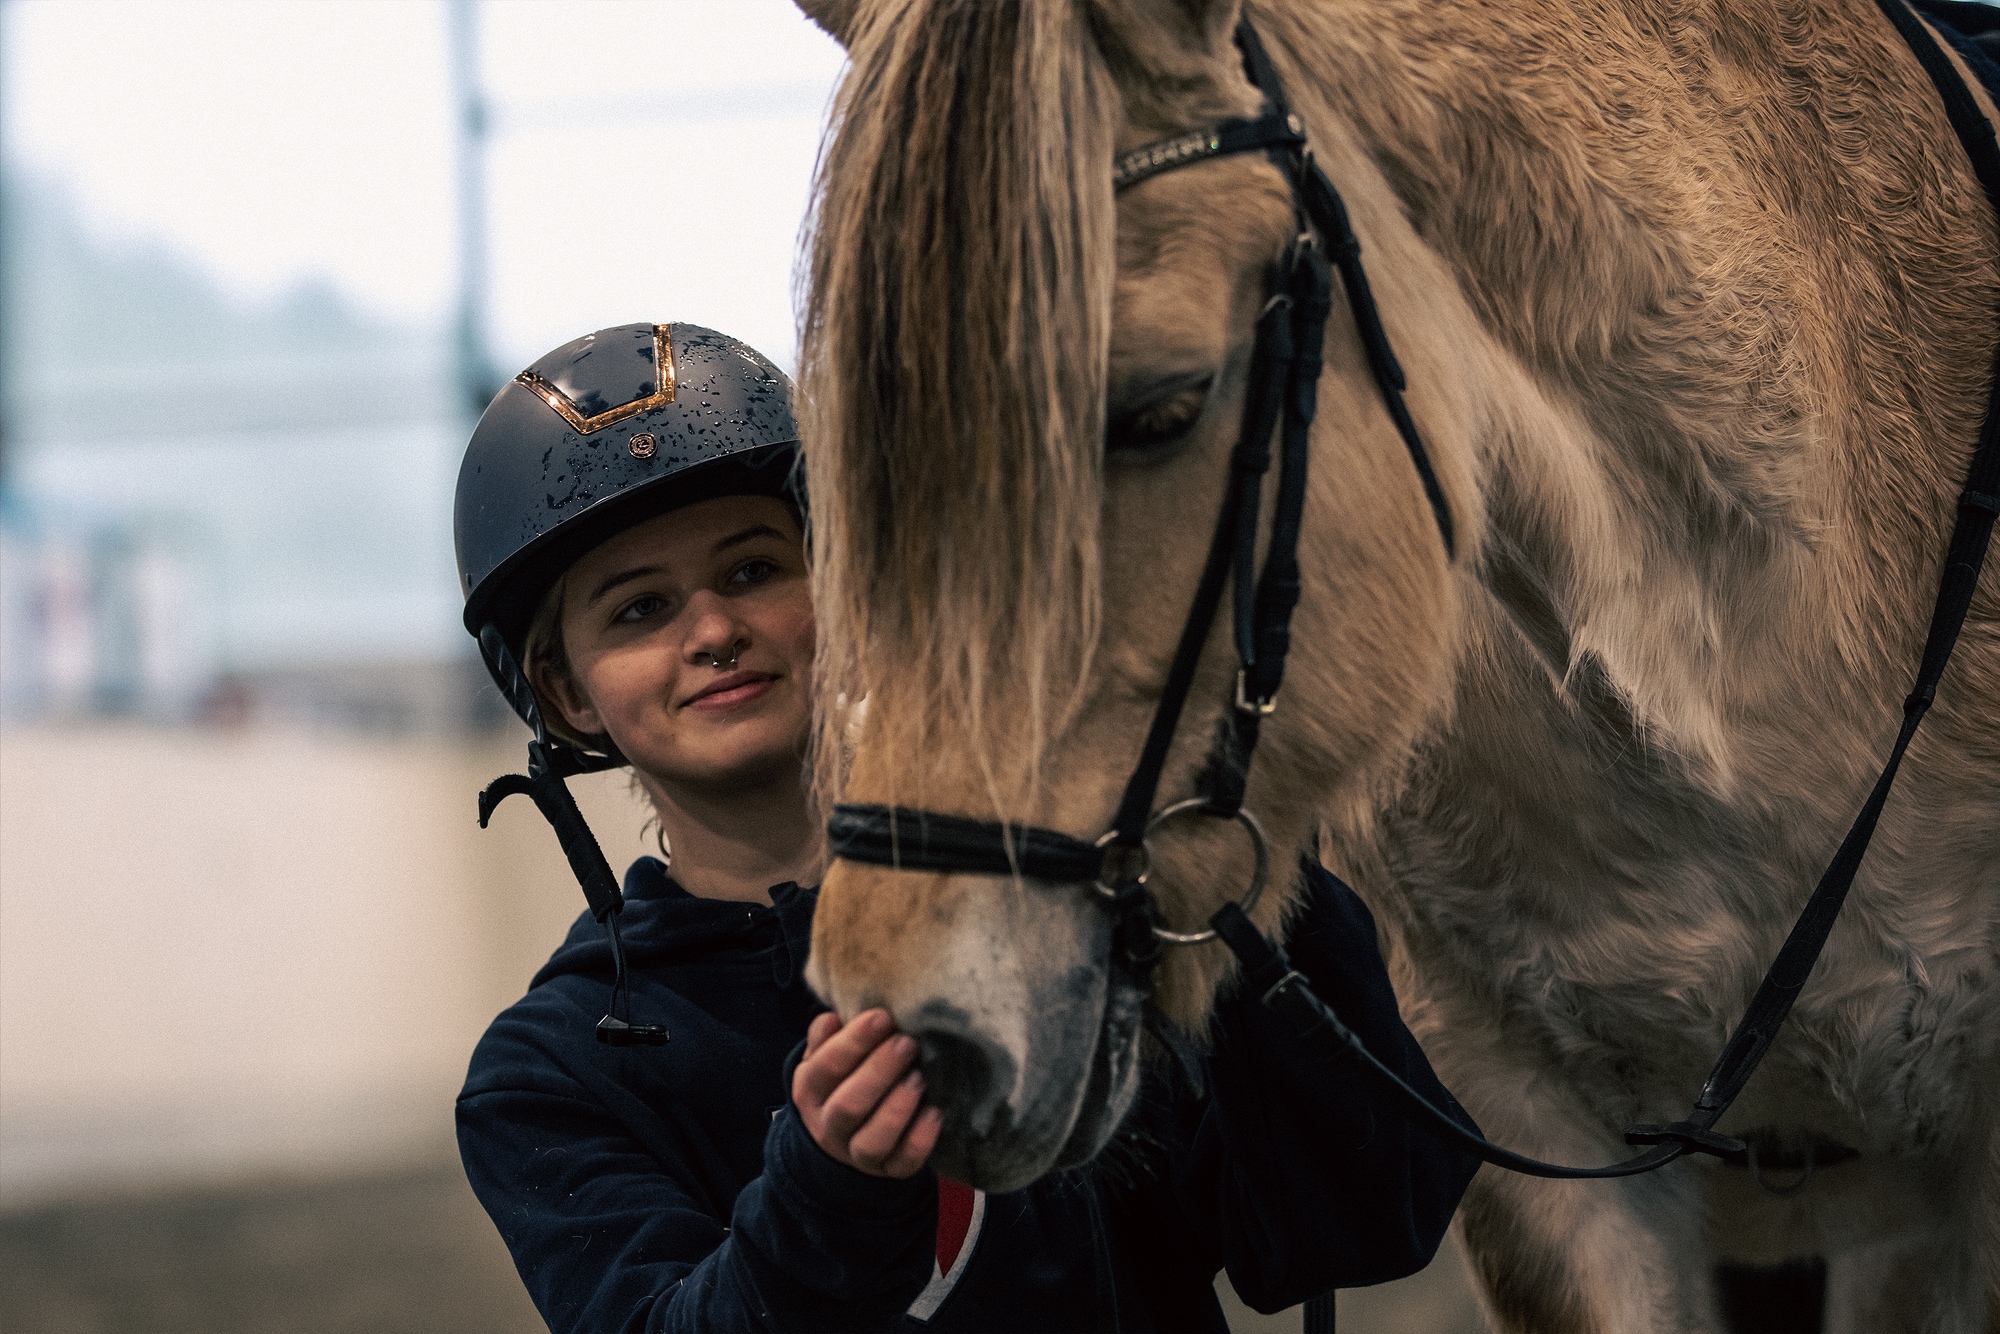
(1285, 367)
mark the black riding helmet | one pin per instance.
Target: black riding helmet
(603, 433)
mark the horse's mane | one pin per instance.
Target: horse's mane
(955, 483)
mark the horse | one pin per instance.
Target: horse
(1696, 304)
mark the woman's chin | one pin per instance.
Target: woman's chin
(732, 765)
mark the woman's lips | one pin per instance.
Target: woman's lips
(730, 690)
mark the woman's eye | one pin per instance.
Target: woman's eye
(1160, 422)
(639, 608)
(754, 571)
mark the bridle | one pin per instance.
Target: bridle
(1281, 393)
(1283, 378)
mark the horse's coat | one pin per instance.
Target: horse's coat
(1697, 302)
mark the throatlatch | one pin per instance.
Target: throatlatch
(1285, 367)
(549, 764)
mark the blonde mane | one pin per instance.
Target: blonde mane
(956, 481)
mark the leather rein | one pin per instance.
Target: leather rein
(1284, 373)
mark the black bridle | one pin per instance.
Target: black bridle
(1282, 392)
(1284, 374)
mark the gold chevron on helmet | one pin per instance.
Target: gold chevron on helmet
(563, 392)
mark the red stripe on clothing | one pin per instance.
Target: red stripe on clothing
(954, 1220)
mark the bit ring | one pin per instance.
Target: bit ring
(1144, 856)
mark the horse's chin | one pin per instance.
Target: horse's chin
(1114, 1077)
(1008, 1157)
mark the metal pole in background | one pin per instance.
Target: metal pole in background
(9, 316)
(472, 361)
(478, 381)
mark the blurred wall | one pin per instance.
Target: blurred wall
(221, 953)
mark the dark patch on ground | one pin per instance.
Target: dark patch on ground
(382, 1254)
(407, 1252)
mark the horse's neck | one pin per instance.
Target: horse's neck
(1709, 299)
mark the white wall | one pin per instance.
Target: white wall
(223, 954)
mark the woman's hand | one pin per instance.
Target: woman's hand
(860, 1094)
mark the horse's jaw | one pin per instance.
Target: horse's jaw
(1028, 1041)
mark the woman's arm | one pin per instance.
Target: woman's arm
(610, 1232)
(1300, 1177)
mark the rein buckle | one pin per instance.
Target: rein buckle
(1262, 708)
(1692, 1138)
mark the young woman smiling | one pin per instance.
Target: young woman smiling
(688, 640)
(626, 532)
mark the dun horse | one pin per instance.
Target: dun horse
(1696, 301)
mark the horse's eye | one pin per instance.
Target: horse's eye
(1159, 421)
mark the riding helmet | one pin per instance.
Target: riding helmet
(605, 432)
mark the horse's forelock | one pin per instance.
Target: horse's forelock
(952, 372)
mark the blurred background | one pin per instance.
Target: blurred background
(260, 266)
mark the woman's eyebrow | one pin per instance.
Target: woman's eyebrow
(751, 533)
(623, 577)
(754, 531)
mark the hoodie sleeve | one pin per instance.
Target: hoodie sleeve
(1298, 1176)
(609, 1233)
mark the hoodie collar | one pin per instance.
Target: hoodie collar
(648, 883)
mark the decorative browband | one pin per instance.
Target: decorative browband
(1280, 129)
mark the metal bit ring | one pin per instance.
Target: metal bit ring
(1258, 844)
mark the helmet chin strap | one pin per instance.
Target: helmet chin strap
(549, 763)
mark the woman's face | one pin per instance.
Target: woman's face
(690, 641)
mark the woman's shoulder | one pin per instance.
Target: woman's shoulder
(691, 966)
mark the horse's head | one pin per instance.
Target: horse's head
(1023, 396)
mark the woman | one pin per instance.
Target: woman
(625, 530)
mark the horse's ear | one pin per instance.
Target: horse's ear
(835, 16)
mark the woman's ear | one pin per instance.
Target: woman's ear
(557, 689)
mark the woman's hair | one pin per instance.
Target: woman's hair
(543, 651)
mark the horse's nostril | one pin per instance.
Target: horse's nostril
(958, 1077)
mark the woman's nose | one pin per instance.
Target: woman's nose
(715, 637)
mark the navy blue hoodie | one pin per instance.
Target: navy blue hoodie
(674, 1188)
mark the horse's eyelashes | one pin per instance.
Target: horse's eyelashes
(1158, 422)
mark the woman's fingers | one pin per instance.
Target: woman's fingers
(819, 1030)
(918, 1141)
(839, 1053)
(876, 1140)
(860, 1096)
(849, 1106)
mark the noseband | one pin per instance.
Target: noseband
(1284, 375)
